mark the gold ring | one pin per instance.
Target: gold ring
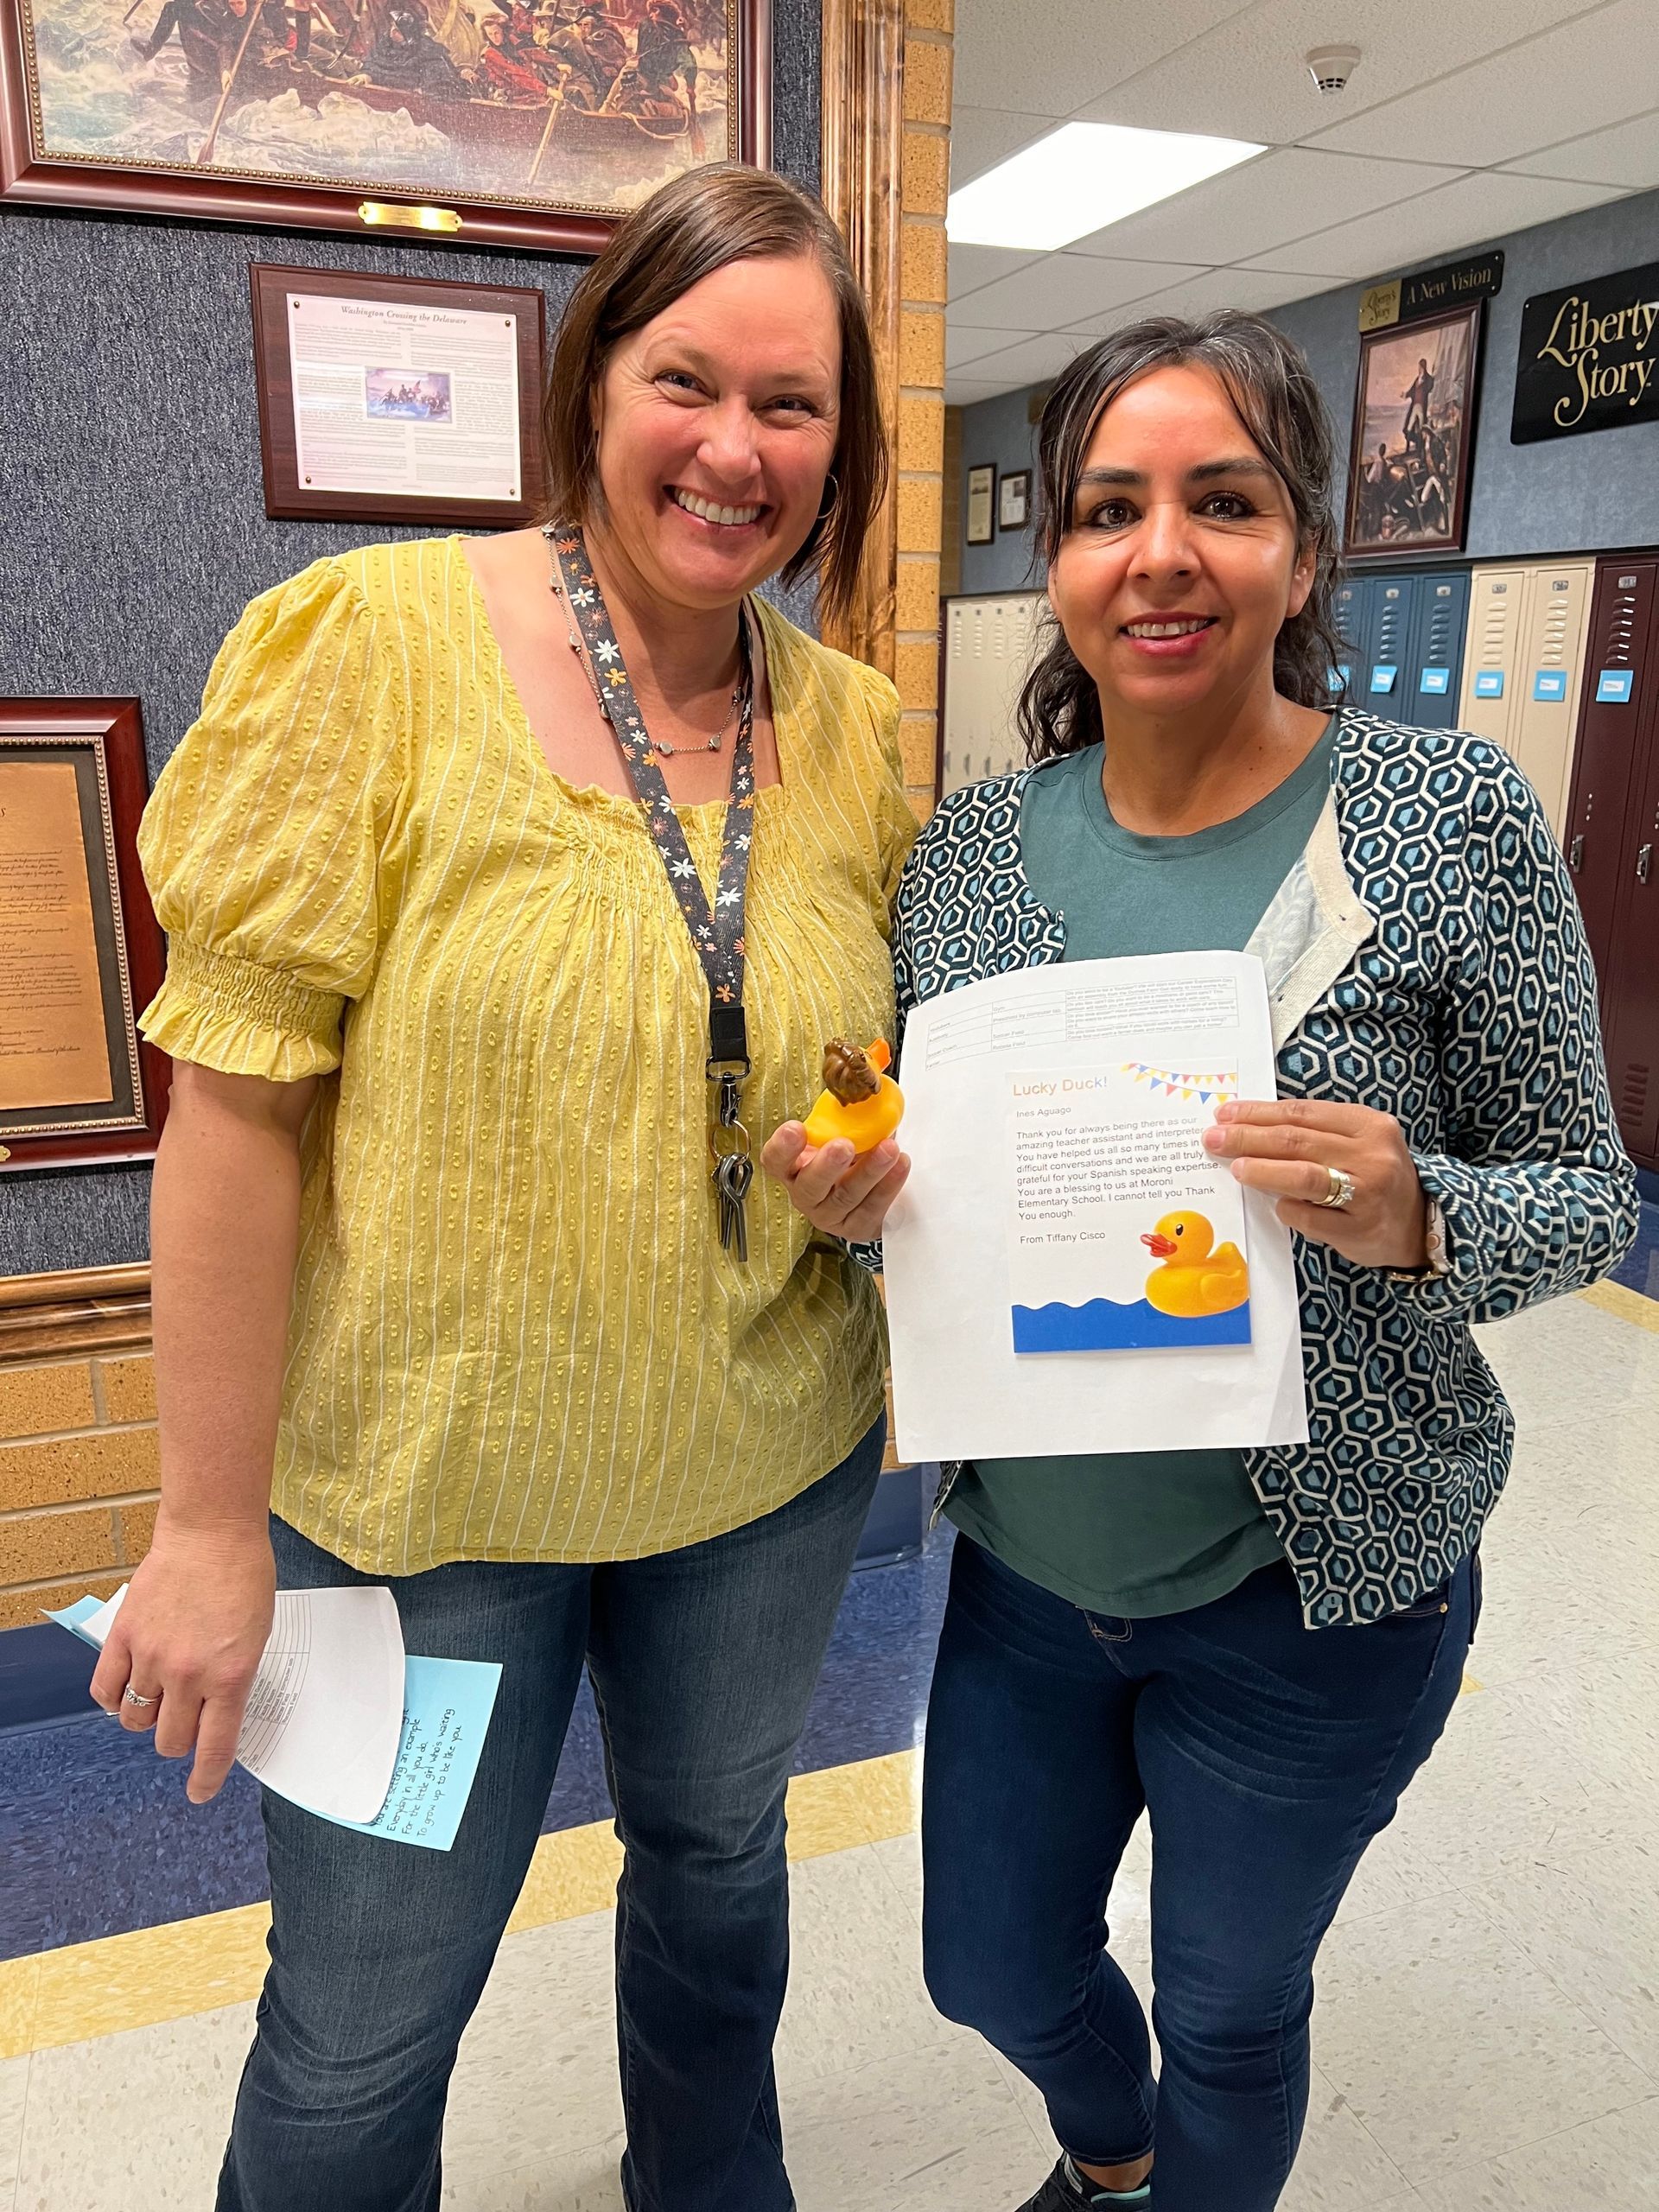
(1340, 1195)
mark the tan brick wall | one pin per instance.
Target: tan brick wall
(926, 170)
(78, 1480)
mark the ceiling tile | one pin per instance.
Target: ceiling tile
(1577, 78)
(1276, 197)
(1061, 288)
(1251, 289)
(1626, 154)
(982, 137)
(1031, 360)
(1246, 78)
(974, 265)
(1070, 51)
(962, 345)
(1487, 204)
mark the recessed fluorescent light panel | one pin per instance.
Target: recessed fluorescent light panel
(1079, 179)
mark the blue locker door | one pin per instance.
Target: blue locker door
(1388, 689)
(1354, 601)
(1436, 668)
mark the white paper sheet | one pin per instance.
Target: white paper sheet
(326, 1711)
(1148, 1045)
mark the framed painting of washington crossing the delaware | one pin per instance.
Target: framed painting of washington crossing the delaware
(526, 122)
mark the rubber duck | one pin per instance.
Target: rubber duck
(1194, 1278)
(860, 1101)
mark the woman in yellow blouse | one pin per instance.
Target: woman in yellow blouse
(504, 880)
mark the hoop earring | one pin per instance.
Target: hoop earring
(827, 505)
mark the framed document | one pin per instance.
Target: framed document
(1014, 500)
(982, 487)
(80, 952)
(398, 398)
(517, 125)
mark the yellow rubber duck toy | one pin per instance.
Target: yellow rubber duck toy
(1194, 1278)
(859, 1100)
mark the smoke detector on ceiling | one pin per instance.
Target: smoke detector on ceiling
(1331, 66)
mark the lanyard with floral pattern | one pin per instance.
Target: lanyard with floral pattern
(716, 934)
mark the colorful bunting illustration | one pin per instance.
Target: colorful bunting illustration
(1202, 1084)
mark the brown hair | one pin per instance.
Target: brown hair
(1271, 390)
(702, 221)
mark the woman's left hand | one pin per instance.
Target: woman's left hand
(1285, 1146)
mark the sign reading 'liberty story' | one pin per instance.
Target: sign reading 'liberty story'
(1589, 357)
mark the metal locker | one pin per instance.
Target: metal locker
(988, 651)
(1491, 645)
(1429, 686)
(1354, 603)
(1631, 999)
(1385, 676)
(1618, 667)
(1555, 619)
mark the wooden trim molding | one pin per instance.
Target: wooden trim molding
(83, 1310)
(864, 184)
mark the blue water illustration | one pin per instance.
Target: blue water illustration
(1103, 1325)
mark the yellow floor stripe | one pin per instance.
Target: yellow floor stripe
(154, 1975)
(1629, 1305)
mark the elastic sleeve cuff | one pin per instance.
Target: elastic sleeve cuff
(218, 1011)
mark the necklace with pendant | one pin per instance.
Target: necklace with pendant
(741, 702)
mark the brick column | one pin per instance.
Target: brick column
(78, 1480)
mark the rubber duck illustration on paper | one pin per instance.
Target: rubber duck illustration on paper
(859, 1100)
(1193, 1277)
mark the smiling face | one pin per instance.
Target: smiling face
(1181, 561)
(717, 424)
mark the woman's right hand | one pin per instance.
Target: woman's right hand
(190, 1633)
(843, 1192)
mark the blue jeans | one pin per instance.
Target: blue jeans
(1268, 1757)
(703, 1662)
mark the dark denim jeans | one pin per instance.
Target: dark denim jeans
(703, 1662)
(1267, 1756)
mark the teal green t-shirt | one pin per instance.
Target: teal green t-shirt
(1140, 1533)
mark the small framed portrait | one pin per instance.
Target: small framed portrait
(516, 122)
(981, 494)
(399, 399)
(80, 952)
(1014, 500)
(1414, 428)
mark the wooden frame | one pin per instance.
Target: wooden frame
(272, 284)
(979, 522)
(1417, 493)
(32, 173)
(103, 739)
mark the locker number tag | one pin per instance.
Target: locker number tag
(1435, 679)
(1549, 683)
(1613, 687)
(1382, 677)
(1488, 683)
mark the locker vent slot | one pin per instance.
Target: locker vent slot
(1633, 1097)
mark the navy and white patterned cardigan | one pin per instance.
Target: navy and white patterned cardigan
(1424, 956)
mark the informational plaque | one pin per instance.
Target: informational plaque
(80, 953)
(391, 398)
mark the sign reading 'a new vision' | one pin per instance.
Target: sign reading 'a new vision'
(1589, 357)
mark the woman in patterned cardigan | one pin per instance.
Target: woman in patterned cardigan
(1131, 1632)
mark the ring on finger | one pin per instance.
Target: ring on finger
(130, 1696)
(1340, 1195)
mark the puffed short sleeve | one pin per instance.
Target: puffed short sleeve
(263, 843)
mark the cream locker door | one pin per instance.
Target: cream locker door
(988, 648)
(1492, 666)
(964, 642)
(1551, 671)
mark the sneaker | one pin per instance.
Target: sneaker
(1067, 2191)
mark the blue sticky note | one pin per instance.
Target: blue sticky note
(1613, 687)
(70, 1617)
(446, 1708)
(1488, 683)
(1435, 679)
(1549, 683)
(1383, 676)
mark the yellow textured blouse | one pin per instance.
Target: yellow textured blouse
(514, 1334)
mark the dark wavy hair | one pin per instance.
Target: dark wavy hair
(1273, 394)
(704, 220)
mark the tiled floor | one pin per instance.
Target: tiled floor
(1487, 2035)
